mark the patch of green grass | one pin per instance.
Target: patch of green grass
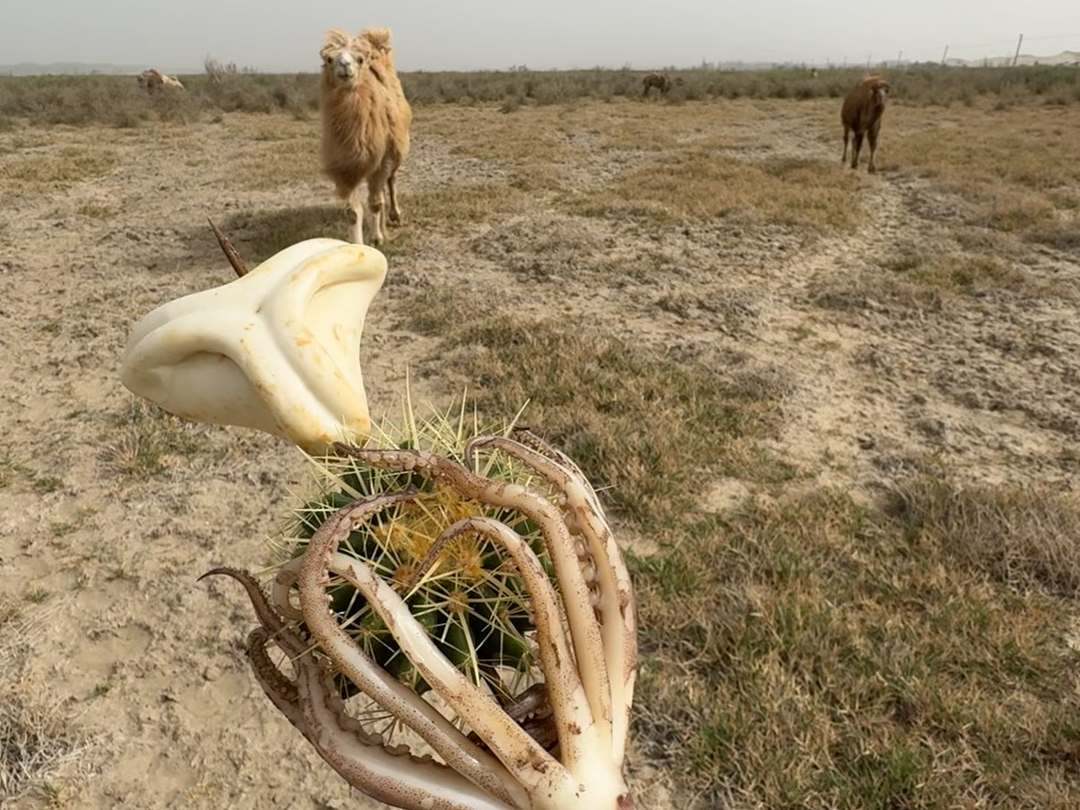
(821, 654)
(12, 469)
(8, 469)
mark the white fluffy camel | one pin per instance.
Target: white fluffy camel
(365, 126)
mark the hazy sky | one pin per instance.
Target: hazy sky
(284, 35)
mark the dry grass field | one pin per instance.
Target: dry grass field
(836, 416)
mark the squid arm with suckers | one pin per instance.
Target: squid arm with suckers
(514, 574)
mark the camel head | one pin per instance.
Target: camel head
(344, 57)
(880, 88)
(148, 79)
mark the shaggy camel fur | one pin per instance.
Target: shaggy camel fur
(151, 81)
(861, 115)
(661, 81)
(365, 126)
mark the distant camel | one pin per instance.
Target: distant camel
(660, 81)
(365, 127)
(151, 81)
(861, 115)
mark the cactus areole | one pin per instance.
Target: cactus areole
(463, 585)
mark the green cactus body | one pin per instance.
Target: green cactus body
(468, 594)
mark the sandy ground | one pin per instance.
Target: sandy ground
(102, 556)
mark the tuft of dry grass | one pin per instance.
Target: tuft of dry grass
(273, 163)
(445, 207)
(1023, 537)
(145, 441)
(963, 273)
(856, 293)
(1063, 234)
(1018, 169)
(39, 737)
(37, 740)
(530, 148)
(655, 423)
(698, 183)
(70, 164)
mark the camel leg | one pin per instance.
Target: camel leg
(872, 136)
(847, 135)
(391, 191)
(355, 211)
(376, 208)
(855, 149)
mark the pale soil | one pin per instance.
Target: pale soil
(104, 561)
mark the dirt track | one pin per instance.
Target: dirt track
(102, 550)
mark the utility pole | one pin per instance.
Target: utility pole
(944, 55)
(899, 56)
(868, 56)
(1017, 54)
